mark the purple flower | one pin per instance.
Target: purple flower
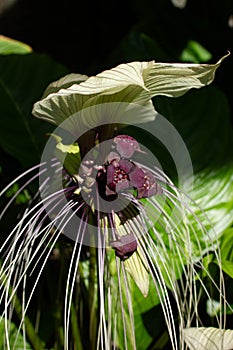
(123, 174)
(125, 246)
(126, 145)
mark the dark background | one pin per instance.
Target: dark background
(88, 37)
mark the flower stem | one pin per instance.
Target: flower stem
(75, 328)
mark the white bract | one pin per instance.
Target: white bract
(208, 338)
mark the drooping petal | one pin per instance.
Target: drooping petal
(136, 266)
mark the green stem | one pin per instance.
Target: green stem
(161, 342)
(75, 329)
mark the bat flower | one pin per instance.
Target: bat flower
(118, 220)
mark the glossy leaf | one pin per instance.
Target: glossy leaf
(202, 119)
(22, 81)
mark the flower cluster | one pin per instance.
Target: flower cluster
(121, 173)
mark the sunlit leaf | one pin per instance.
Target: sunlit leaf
(202, 118)
(10, 46)
(68, 155)
(226, 245)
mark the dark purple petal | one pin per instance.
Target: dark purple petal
(122, 185)
(125, 246)
(126, 145)
(110, 174)
(150, 186)
(117, 179)
(126, 165)
(136, 177)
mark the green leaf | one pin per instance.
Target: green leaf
(68, 155)
(227, 267)
(202, 119)
(10, 46)
(23, 78)
(226, 248)
(22, 198)
(195, 52)
(208, 338)
(16, 339)
(226, 245)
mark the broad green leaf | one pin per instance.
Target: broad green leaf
(226, 248)
(147, 79)
(208, 338)
(202, 119)
(227, 267)
(226, 245)
(10, 46)
(23, 78)
(16, 339)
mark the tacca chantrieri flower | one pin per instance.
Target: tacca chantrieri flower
(129, 236)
